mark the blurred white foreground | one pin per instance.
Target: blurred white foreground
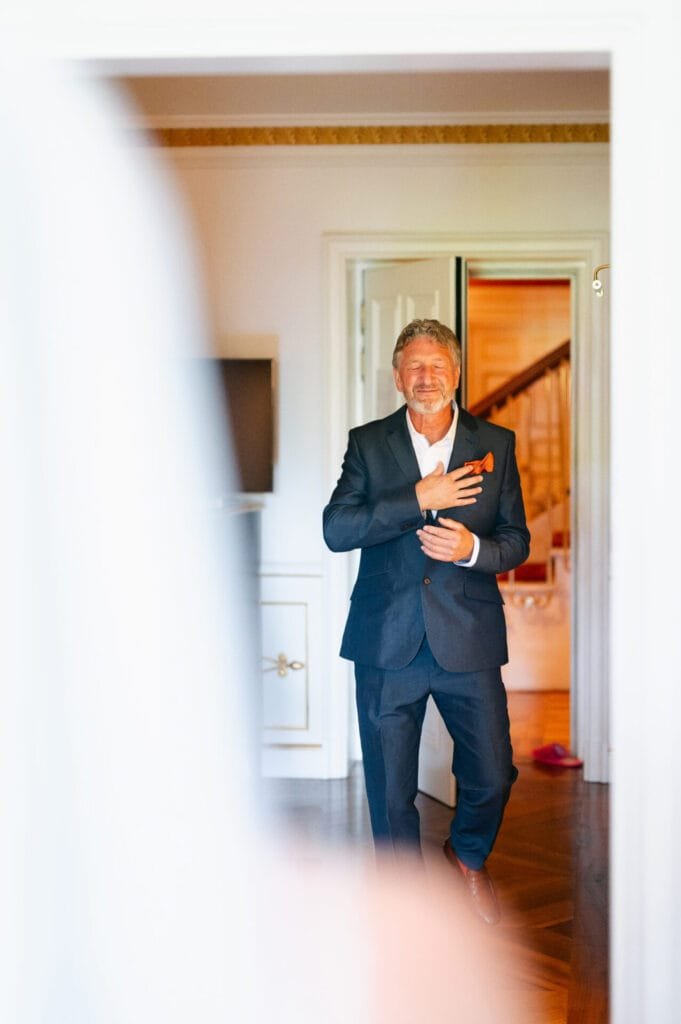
(135, 884)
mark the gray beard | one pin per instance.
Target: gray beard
(424, 409)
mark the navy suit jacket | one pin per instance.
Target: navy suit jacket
(400, 594)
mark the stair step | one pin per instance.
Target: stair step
(530, 572)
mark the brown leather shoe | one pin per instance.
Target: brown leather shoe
(478, 885)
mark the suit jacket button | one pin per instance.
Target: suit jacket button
(427, 580)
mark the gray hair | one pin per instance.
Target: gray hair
(428, 329)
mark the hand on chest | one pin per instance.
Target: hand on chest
(481, 486)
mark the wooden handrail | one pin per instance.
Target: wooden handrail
(521, 381)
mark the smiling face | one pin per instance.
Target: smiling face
(426, 375)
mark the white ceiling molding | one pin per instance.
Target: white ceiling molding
(344, 63)
(306, 120)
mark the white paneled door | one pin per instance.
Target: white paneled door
(394, 295)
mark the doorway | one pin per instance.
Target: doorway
(568, 259)
(515, 331)
(520, 334)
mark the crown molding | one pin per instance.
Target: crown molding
(378, 135)
(420, 119)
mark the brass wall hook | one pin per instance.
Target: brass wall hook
(596, 284)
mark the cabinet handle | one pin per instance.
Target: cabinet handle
(281, 665)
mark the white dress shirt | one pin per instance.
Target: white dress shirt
(428, 455)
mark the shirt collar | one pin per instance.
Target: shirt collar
(421, 439)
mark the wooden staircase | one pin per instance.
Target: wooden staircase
(538, 572)
(535, 404)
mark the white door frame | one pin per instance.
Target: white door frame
(568, 255)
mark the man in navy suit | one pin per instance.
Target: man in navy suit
(426, 615)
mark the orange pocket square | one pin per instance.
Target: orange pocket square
(483, 465)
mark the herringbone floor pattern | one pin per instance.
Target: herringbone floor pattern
(549, 863)
(550, 869)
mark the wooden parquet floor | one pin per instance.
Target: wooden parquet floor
(549, 863)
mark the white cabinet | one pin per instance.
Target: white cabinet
(293, 697)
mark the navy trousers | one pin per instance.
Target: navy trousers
(391, 705)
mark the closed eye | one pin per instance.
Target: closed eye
(420, 366)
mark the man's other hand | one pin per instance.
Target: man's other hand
(447, 490)
(450, 542)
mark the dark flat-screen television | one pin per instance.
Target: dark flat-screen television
(248, 387)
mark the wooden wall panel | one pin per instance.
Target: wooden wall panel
(510, 325)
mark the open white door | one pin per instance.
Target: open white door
(394, 295)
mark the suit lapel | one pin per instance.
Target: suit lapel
(400, 445)
(465, 441)
(466, 444)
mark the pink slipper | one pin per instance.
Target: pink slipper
(555, 754)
